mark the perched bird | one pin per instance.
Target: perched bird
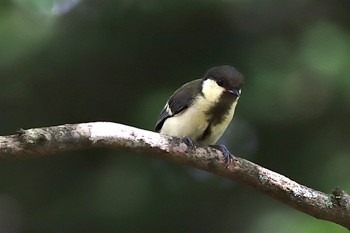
(200, 110)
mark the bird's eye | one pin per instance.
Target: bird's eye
(220, 82)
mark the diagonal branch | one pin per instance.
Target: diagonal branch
(38, 142)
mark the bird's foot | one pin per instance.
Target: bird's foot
(227, 154)
(189, 142)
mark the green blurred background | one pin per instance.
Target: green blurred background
(71, 61)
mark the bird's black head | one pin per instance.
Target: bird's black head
(227, 77)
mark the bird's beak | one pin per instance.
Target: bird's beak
(235, 91)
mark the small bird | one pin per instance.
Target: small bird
(200, 110)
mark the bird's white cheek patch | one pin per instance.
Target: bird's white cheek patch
(211, 90)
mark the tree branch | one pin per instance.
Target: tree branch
(38, 142)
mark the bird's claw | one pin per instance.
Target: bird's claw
(189, 142)
(227, 154)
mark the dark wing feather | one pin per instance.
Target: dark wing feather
(162, 117)
(179, 101)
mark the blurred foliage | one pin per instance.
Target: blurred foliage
(67, 61)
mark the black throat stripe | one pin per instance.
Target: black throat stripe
(205, 134)
(218, 112)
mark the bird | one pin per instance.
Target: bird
(200, 110)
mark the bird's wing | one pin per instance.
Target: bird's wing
(178, 102)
